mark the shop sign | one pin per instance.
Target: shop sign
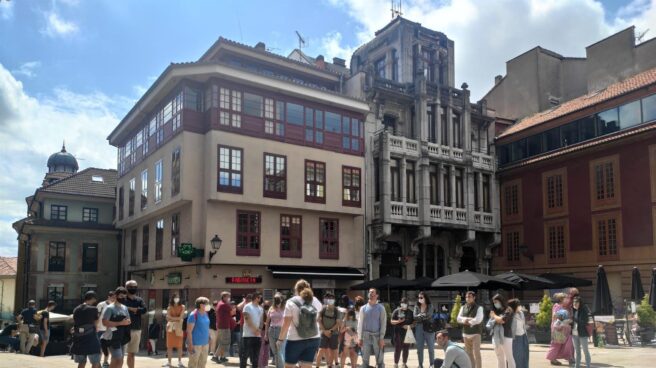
(323, 284)
(187, 252)
(174, 278)
(244, 280)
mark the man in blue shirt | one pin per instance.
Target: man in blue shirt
(198, 333)
(454, 355)
(371, 330)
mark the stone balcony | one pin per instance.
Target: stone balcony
(409, 213)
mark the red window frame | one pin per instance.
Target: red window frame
(249, 234)
(291, 232)
(328, 238)
(312, 185)
(230, 171)
(274, 177)
(348, 173)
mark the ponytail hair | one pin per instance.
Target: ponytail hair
(307, 295)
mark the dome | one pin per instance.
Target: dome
(62, 161)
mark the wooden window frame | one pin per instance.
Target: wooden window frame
(87, 214)
(314, 183)
(563, 209)
(159, 239)
(230, 171)
(595, 219)
(248, 251)
(265, 176)
(84, 249)
(565, 224)
(291, 253)
(606, 203)
(519, 230)
(513, 217)
(57, 245)
(351, 188)
(60, 208)
(322, 253)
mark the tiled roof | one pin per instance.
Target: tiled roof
(82, 183)
(630, 84)
(8, 266)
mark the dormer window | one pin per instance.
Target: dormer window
(97, 179)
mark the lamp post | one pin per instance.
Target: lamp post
(216, 245)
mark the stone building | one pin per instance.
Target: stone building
(67, 244)
(432, 208)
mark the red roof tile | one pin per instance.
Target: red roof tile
(8, 266)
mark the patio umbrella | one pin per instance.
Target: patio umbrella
(472, 280)
(385, 282)
(652, 289)
(527, 282)
(602, 305)
(562, 281)
(418, 283)
(637, 292)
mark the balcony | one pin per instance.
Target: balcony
(484, 220)
(404, 211)
(439, 216)
(404, 146)
(441, 152)
(483, 161)
(448, 215)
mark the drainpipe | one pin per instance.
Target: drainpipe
(26, 271)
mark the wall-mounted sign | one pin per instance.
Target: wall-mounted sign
(187, 252)
(174, 278)
(244, 280)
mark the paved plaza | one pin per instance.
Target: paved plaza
(619, 357)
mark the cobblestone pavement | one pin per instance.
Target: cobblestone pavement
(621, 357)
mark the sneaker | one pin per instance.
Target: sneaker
(105, 365)
(216, 360)
(223, 360)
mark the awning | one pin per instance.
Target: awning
(331, 273)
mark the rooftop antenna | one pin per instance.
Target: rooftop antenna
(641, 35)
(397, 8)
(301, 40)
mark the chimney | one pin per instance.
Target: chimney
(339, 62)
(319, 62)
(260, 46)
(497, 79)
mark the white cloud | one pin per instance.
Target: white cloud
(27, 69)
(331, 44)
(488, 33)
(32, 128)
(57, 27)
(6, 10)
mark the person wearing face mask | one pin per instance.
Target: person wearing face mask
(116, 319)
(402, 319)
(502, 333)
(425, 329)
(198, 333)
(136, 307)
(329, 325)
(85, 340)
(174, 332)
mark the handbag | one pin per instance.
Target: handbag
(409, 337)
(489, 326)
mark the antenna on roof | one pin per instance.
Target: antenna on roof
(397, 8)
(301, 40)
(641, 35)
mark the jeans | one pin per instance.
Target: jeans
(520, 351)
(428, 338)
(235, 340)
(274, 333)
(370, 344)
(473, 349)
(250, 348)
(581, 342)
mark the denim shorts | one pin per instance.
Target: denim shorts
(119, 352)
(93, 358)
(302, 351)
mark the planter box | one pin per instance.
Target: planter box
(542, 336)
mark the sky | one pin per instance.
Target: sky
(71, 69)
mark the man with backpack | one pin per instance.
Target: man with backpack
(198, 333)
(251, 336)
(329, 323)
(27, 328)
(116, 319)
(372, 324)
(86, 345)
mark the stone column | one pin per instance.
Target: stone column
(440, 181)
(424, 186)
(385, 177)
(403, 179)
(468, 194)
(466, 119)
(410, 267)
(449, 123)
(438, 119)
(452, 179)
(481, 205)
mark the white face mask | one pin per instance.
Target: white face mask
(497, 305)
(208, 308)
(176, 300)
(330, 301)
(404, 305)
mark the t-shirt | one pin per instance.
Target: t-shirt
(223, 316)
(114, 312)
(28, 315)
(212, 316)
(255, 312)
(201, 332)
(42, 323)
(330, 317)
(291, 309)
(85, 337)
(101, 307)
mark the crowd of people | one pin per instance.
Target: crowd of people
(303, 330)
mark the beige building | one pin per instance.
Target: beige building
(7, 288)
(253, 148)
(67, 244)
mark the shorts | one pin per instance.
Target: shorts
(329, 342)
(135, 339)
(93, 358)
(223, 337)
(117, 353)
(301, 351)
(43, 337)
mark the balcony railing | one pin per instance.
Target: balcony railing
(404, 211)
(442, 215)
(483, 161)
(484, 219)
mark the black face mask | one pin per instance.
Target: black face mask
(121, 300)
(132, 291)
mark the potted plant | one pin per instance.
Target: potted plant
(543, 321)
(646, 320)
(455, 332)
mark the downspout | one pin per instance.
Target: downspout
(26, 271)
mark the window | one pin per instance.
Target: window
(145, 239)
(605, 183)
(512, 201)
(551, 140)
(230, 169)
(144, 189)
(56, 294)
(587, 128)
(444, 127)
(211, 97)
(291, 238)
(652, 174)
(274, 113)
(131, 194)
(145, 141)
(607, 235)
(328, 238)
(395, 66)
(396, 180)
(630, 115)
(460, 188)
(230, 108)
(57, 257)
(376, 180)
(649, 108)
(90, 215)
(446, 188)
(518, 150)
(554, 187)
(175, 234)
(158, 181)
(432, 124)
(487, 206)
(58, 212)
(433, 177)
(512, 246)
(569, 134)
(457, 131)
(248, 233)
(133, 247)
(253, 105)
(159, 239)
(89, 257)
(556, 239)
(294, 114)
(410, 190)
(333, 122)
(608, 122)
(379, 66)
(275, 176)
(315, 181)
(120, 203)
(350, 186)
(175, 172)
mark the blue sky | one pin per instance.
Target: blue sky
(70, 69)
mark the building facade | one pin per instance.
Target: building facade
(431, 209)
(67, 244)
(578, 187)
(7, 288)
(261, 151)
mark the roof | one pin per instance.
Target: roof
(8, 266)
(82, 183)
(312, 61)
(62, 158)
(630, 84)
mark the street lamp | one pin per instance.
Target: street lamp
(216, 244)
